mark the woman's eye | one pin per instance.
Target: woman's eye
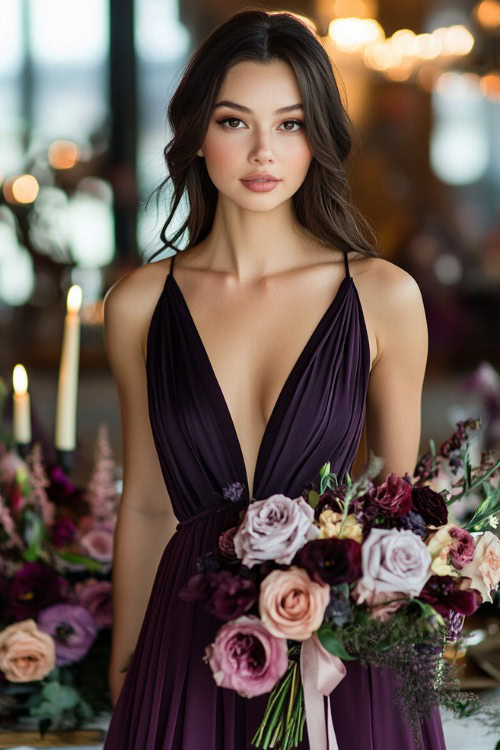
(237, 119)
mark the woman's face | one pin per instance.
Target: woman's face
(239, 143)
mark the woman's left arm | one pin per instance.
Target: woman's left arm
(394, 399)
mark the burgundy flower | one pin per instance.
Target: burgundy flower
(331, 561)
(63, 532)
(445, 594)
(225, 595)
(391, 498)
(329, 501)
(430, 505)
(225, 545)
(462, 551)
(35, 586)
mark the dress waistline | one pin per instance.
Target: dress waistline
(232, 505)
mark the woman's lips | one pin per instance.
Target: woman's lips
(258, 186)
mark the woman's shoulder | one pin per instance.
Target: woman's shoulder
(384, 283)
(130, 302)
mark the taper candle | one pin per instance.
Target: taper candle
(21, 406)
(67, 391)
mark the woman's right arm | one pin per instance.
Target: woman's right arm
(145, 520)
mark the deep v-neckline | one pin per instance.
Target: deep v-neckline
(345, 285)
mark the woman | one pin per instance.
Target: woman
(252, 356)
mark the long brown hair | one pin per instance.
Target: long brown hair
(323, 203)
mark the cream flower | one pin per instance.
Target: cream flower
(439, 545)
(484, 570)
(330, 523)
(26, 654)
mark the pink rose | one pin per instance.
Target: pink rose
(382, 604)
(484, 570)
(246, 657)
(395, 560)
(98, 543)
(291, 605)
(274, 529)
(26, 654)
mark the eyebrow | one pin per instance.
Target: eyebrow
(233, 105)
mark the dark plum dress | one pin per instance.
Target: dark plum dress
(169, 700)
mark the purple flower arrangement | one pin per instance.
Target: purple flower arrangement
(56, 550)
(356, 570)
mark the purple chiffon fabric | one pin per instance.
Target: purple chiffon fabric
(169, 700)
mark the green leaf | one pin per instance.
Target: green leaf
(313, 498)
(333, 644)
(86, 562)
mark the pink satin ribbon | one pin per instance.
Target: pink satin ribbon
(321, 673)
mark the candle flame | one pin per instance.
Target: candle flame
(74, 298)
(20, 379)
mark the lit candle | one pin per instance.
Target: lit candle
(22, 418)
(67, 391)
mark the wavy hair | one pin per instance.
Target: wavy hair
(322, 204)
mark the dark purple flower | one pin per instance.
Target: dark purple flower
(413, 521)
(391, 498)
(63, 532)
(329, 500)
(331, 561)
(35, 586)
(443, 593)
(430, 505)
(225, 545)
(233, 491)
(224, 595)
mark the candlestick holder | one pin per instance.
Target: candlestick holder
(65, 459)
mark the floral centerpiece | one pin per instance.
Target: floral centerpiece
(377, 572)
(56, 551)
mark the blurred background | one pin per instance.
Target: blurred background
(84, 88)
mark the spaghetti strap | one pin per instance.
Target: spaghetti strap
(170, 272)
(346, 264)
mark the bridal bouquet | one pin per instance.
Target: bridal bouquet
(356, 570)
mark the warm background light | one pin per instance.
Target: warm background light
(63, 154)
(25, 188)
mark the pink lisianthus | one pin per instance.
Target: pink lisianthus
(291, 605)
(484, 570)
(98, 542)
(246, 657)
(274, 529)
(382, 604)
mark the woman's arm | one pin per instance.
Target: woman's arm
(393, 415)
(145, 519)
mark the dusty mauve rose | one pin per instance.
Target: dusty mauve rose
(291, 605)
(382, 604)
(484, 570)
(246, 657)
(395, 560)
(274, 529)
(26, 653)
(225, 545)
(430, 505)
(331, 561)
(391, 498)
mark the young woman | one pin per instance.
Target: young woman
(254, 355)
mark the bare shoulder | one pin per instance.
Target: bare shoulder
(130, 302)
(391, 300)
